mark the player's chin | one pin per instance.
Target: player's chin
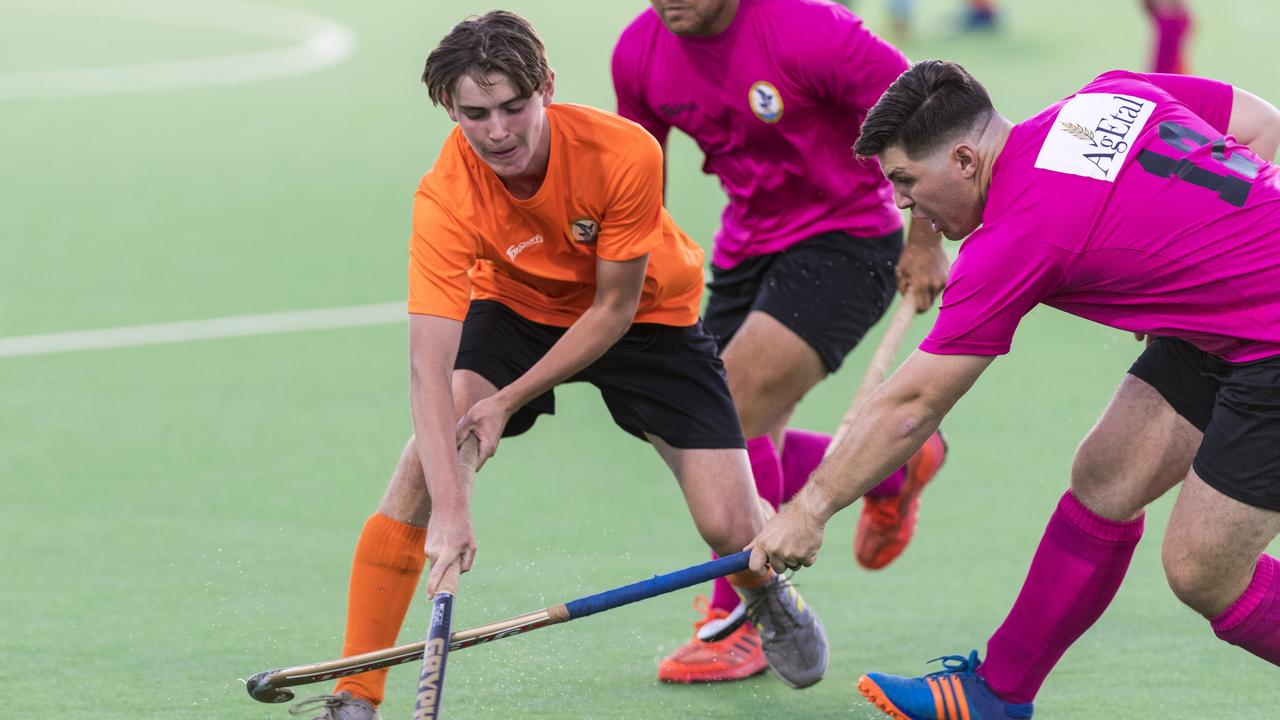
(952, 233)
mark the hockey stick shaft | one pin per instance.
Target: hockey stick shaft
(435, 654)
(878, 370)
(271, 685)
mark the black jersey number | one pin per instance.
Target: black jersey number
(1180, 137)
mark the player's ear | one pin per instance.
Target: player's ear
(965, 158)
(549, 90)
(448, 108)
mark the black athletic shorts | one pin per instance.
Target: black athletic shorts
(1236, 405)
(829, 289)
(659, 379)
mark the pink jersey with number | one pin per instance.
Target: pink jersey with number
(775, 102)
(1126, 205)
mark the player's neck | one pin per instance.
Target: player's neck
(990, 144)
(724, 20)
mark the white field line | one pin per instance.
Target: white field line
(227, 327)
(314, 42)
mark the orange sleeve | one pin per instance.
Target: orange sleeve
(632, 225)
(441, 254)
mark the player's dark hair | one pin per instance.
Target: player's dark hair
(932, 102)
(497, 41)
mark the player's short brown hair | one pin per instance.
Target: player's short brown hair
(930, 103)
(497, 41)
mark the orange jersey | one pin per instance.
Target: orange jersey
(601, 198)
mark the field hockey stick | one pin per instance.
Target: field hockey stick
(883, 358)
(436, 649)
(271, 686)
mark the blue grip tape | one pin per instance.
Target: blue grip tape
(657, 585)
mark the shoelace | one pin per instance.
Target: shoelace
(957, 664)
(771, 600)
(319, 702)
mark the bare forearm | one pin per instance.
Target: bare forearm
(433, 346)
(895, 422)
(433, 427)
(582, 344)
(884, 435)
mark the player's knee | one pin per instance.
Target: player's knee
(723, 531)
(1193, 580)
(1108, 488)
(1091, 479)
(759, 404)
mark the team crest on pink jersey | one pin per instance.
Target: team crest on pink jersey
(765, 101)
(584, 230)
(1093, 134)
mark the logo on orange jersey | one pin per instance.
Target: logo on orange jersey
(584, 230)
(520, 247)
(765, 101)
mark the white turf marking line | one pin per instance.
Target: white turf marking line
(315, 42)
(227, 327)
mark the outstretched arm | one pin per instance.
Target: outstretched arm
(895, 422)
(433, 345)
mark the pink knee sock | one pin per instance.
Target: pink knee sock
(802, 452)
(891, 485)
(1170, 31)
(1075, 573)
(1253, 620)
(766, 468)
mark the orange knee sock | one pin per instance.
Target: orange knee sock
(384, 575)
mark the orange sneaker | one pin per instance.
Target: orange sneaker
(887, 523)
(723, 648)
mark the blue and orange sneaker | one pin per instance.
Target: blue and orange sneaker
(955, 692)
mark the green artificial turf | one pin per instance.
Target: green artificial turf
(175, 518)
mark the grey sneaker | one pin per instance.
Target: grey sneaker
(343, 706)
(795, 645)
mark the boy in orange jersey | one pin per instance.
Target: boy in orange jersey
(541, 254)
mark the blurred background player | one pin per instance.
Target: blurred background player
(1171, 23)
(1146, 203)
(979, 15)
(804, 262)
(579, 275)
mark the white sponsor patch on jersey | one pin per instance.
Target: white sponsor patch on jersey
(1093, 135)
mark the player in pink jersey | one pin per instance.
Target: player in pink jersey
(804, 261)
(1143, 202)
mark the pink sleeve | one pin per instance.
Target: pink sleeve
(847, 63)
(628, 66)
(1210, 99)
(996, 280)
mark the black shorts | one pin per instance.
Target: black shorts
(659, 379)
(829, 289)
(1236, 405)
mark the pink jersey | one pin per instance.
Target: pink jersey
(1126, 205)
(775, 102)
